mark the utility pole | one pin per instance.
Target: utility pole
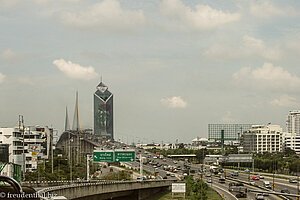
(21, 122)
(141, 167)
(51, 143)
(273, 175)
(211, 176)
(298, 178)
(239, 144)
(87, 167)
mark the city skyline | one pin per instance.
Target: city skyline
(174, 66)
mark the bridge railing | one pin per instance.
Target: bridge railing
(104, 182)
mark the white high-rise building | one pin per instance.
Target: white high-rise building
(292, 141)
(293, 122)
(263, 138)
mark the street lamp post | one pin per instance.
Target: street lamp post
(88, 157)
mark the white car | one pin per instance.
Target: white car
(261, 176)
(185, 174)
(252, 182)
(259, 196)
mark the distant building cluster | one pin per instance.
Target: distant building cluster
(253, 138)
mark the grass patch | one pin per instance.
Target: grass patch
(216, 196)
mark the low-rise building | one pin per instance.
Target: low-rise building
(263, 138)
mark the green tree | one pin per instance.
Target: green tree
(199, 190)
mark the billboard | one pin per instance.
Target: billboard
(34, 148)
(178, 187)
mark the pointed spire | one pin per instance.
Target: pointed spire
(76, 121)
(67, 124)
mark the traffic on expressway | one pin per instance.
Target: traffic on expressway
(230, 184)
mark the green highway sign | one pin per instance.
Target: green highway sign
(103, 156)
(125, 156)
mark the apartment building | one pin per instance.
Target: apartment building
(293, 122)
(292, 141)
(13, 138)
(36, 141)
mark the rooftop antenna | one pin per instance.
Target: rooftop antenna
(101, 79)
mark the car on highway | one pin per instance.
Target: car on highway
(221, 180)
(267, 184)
(292, 180)
(252, 182)
(255, 178)
(265, 194)
(285, 191)
(259, 196)
(235, 173)
(261, 176)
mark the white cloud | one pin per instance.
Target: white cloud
(267, 76)
(285, 101)
(265, 9)
(173, 102)
(105, 16)
(8, 55)
(256, 47)
(227, 118)
(203, 17)
(76, 71)
(2, 77)
(248, 47)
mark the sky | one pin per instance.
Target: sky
(174, 66)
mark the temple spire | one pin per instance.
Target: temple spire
(76, 120)
(67, 123)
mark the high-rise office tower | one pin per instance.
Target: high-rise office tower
(293, 122)
(103, 112)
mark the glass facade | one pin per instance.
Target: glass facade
(103, 112)
(231, 131)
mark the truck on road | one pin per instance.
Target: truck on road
(267, 184)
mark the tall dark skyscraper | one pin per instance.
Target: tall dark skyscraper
(103, 112)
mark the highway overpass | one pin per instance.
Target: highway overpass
(109, 190)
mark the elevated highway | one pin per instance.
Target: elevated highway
(108, 190)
